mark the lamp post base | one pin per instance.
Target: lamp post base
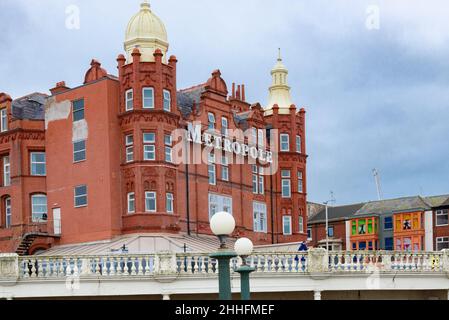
(245, 292)
(224, 273)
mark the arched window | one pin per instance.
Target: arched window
(39, 207)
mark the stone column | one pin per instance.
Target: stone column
(318, 260)
(316, 295)
(445, 261)
(9, 267)
(165, 297)
(165, 263)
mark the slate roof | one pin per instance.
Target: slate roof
(187, 98)
(407, 204)
(29, 107)
(438, 201)
(336, 213)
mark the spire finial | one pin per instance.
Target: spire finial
(145, 4)
(279, 54)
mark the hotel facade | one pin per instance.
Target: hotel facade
(100, 160)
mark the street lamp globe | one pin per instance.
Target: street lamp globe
(243, 247)
(222, 225)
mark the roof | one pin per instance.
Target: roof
(407, 204)
(437, 201)
(187, 98)
(29, 107)
(336, 213)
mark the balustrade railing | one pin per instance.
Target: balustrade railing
(314, 261)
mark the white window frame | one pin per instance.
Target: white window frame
(298, 144)
(131, 199)
(34, 213)
(168, 148)
(441, 240)
(285, 142)
(212, 169)
(3, 120)
(441, 212)
(286, 183)
(253, 136)
(259, 217)
(144, 90)
(224, 126)
(80, 196)
(8, 213)
(33, 163)
(150, 195)
(129, 101)
(149, 147)
(300, 182)
(260, 138)
(129, 147)
(224, 168)
(218, 203)
(284, 224)
(301, 224)
(6, 171)
(311, 237)
(80, 151)
(169, 202)
(167, 100)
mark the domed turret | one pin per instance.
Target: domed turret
(146, 32)
(279, 90)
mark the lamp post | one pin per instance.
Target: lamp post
(222, 225)
(244, 247)
(327, 225)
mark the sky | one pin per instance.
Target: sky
(372, 75)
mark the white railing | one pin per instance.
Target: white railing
(188, 264)
(387, 261)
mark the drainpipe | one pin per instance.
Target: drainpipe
(187, 189)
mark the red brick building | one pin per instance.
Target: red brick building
(97, 161)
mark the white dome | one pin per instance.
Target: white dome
(147, 32)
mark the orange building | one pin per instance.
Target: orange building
(97, 161)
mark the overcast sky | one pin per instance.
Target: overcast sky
(376, 96)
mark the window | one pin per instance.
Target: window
(169, 202)
(149, 148)
(168, 148)
(219, 203)
(80, 196)
(129, 100)
(8, 215)
(129, 142)
(224, 126)
(362, 245)
(407, 244)
(301, 224)
(406, 224)
(79, 151)
(39, 207)
(330, 231)
(253, 136)
(259, 217)
(6, 172)
(388, 224)
(309, 233)
(78, 110)
(212, 169)
(3, 120)
(442, 217)
(211, 121)
(362, 227)
(224, 168)
(150, 201)
(300, 182)
(442, 243)
(370, 226)
(260, 138)
(298, 144)
(148, 98)
(131, 202)
(258, 180)
(167, 101)
(354, 246)
(38, 164)
(285, 142)
(287, 225)
(389, 244)
(354, 227)
(286, 184)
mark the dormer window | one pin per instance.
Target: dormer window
(129, 100)
(3, 120)
(167, 101)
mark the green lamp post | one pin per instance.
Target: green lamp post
(244, 248)
(222, 225)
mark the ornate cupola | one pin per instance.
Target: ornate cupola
(279, 90)
(146, 32)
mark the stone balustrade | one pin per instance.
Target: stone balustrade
(315, 261)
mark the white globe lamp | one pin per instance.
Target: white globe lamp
(222, 225)
(244, 247)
